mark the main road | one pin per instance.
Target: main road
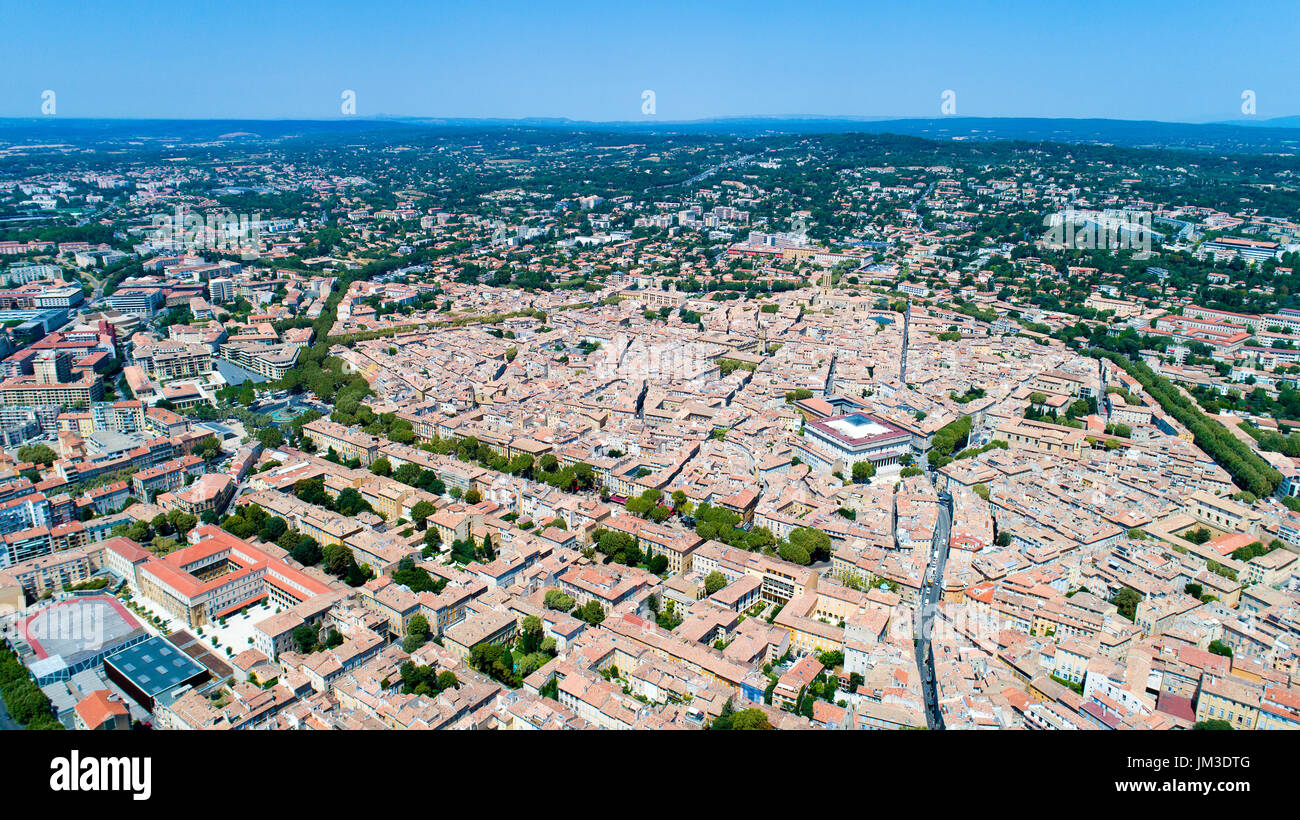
(705, 174)
(927, 605)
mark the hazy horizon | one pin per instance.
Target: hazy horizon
(382, 116)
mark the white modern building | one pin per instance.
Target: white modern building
(838, 442)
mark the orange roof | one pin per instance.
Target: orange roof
(99, 707)
(1226, 544)
(981, 592)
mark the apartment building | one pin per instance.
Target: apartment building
(345, 441)
(271, 361)
(29, 391)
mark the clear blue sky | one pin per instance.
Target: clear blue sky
(1184, 61)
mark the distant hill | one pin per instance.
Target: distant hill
(1278, 135)
(1275, 122)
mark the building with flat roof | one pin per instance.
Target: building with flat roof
(29, 391)
(271, 361)
(74, 634)
(152, 667)
(836, 443)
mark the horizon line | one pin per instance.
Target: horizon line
(846, 118)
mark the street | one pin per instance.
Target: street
(931, 590)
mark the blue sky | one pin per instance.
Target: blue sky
(1180, 61)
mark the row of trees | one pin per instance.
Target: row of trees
(547, 469)
(1248, 470)
(25, 701)
(1273, 441)
(948, 439)
(412, 475)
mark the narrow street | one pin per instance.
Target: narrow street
(931, 591)
(902, 365)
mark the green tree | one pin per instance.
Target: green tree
(207, 448)
(750, 720)
(714, 581)
(307, 552)
(181, 521)
(420, 512)
(304, 635)
(338, 559)
(815, 542)
(1212, 725)
(408, 474)
(270, 437)
(37, 454)
(432, 540)
(794, 553)
(554, 599)
(1126, 601)
(417, 633)
(592, 612)
(531, 635)
(272, 529)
